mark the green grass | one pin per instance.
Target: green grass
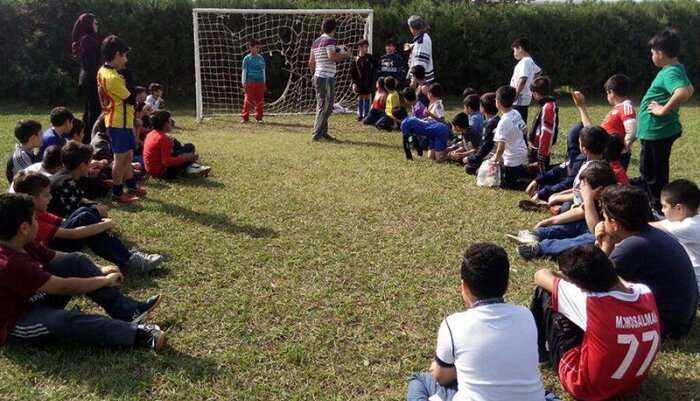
(304, 271)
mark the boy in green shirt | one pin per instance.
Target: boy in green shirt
(659, 118)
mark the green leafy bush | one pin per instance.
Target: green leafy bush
(576, 45)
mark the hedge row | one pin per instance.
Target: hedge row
(577, 45)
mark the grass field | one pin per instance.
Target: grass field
(304, 271)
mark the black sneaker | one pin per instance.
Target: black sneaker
(144, 308)
(529, 251)
(150, 336)
(532, 206)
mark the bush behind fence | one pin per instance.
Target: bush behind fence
(577, 45)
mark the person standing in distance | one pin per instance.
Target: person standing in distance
(322, 63)
(86, 48)
(421, 48)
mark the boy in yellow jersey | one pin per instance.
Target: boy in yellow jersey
(118, 108)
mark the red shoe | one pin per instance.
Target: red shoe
(139, 191)
(128, 198)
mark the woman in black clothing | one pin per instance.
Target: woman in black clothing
(86, 48)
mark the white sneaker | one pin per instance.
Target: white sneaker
(524, 237)
(196, 170)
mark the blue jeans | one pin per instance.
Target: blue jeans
(422, 386)
(385, 123)
(559, 238)
(325, 88)
(104, 244)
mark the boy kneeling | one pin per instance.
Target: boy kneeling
(36, 284)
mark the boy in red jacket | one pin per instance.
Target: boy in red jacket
(164, 156)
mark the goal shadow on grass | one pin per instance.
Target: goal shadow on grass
(112, 374)
(219, 222)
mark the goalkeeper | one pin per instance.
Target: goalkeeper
(253, 81)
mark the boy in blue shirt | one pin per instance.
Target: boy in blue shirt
(253, 81)
(61, 125)
(472, 104)
(392, 64)
(435, 132)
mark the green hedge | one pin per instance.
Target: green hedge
(577, 45)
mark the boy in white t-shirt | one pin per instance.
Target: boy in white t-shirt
(523, 74)
(489, 351)
(680, 200)
(511, 150)
(436, 109)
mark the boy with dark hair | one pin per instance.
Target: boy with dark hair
(155, 96)
(417, 108)
(83, 228)
(659, 116)
(28, 133)
(118, 108)
(50, 164)
(419, 84)
(647, 255)
(253, 81)
(600, 334)
(436, 109)
(61, 125)
(164, 156)
(553, 236)
(545, 126)
(469, 91)
(66, 191)
(378, 104)
(680, 200)
(392, 64)
(435, 133)
(621, 120)
(491, 330)
(362, 72)
(36, 284)
(472, 107)
(490, 112)
(469, 139)
(387, 122)
(511, 150)
(523, 74)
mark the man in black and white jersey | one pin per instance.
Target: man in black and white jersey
(421, 48)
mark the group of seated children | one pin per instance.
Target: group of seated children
(50, 215)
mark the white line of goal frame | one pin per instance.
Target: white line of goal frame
(196, 11)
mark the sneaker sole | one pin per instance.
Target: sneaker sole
(161, 341)
(520, 240)
(142, 316)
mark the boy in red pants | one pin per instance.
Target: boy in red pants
(253, 81)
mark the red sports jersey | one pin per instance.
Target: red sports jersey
(622, 337)
(620, 172)
(614, 121)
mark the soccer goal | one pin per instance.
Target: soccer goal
(221, 41)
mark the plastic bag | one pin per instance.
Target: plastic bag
(489, 175)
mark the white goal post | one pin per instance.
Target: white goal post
(221, 39)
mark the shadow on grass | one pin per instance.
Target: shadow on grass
(217, 221)
(187, 182)
(112, 374)
(290, 125)
(366, 144)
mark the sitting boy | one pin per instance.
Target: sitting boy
(490, 112)
(419, 84)
(387, 122)
(164, 156)
(488, 351)
(469, 139)
(472, 106)
(48, 167)
(647, 255)
(599, 333)
(66, 189)
(621, 120)
(545, 127)
(83, 228)
(155, 98)
(436, 109)
(680, 200)
(28, 133)
(61, 125)
(511, 150)
(417, 108)
(377, 110)
(434, 132)
(36, 284)
(553, 236)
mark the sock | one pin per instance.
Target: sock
(131, 183)
(365, 110)
(359, 107)
(117, 190)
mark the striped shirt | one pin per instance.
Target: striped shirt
(320, 48)
(422, 54)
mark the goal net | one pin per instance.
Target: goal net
(221, 39)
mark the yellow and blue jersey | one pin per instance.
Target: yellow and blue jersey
(113, 93)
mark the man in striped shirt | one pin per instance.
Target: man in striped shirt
(421, 49)
(322, 63)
